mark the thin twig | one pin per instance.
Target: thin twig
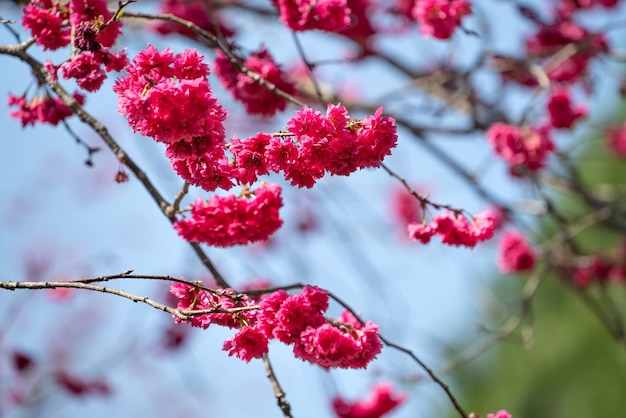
(281, 400)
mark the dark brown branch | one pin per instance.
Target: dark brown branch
(281, 400)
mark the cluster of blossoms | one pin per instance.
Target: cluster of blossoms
(440, 18)
(256, 99)
(381, 401)
(500, 414)
(85, 24)
(454, 229)
(515, 253)
(602, 269)
(302, 15)
(567, 7)
(523, 148)
(42, 109)
(224, 221)
(194, 11)
(563, 113)
(296, 320)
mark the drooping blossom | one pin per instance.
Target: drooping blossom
(360, 29)
(522, 148)
(247, 344)
(616, 140)
(344, 343)
(42, 109)
(302, 15)
(381, 401)
(225, 221)
(88, 68)
(257, 99)
(167, 97)
(454, 229)
(500, 414)
(404, 206)
(515, 253)
(563, 113)
(333, 143)
(44, 19)
(440, 18)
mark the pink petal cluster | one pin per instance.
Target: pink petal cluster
(382, 400)
(553, 37)
(344, 343)
(47, 21)
(563, 113)
(87, 67)
(326, 15)
(440, 18)
(167, 97)
(616, 140)
(404, 206)
(333, 143)
(515, 254)
(567, 7)
(43, 109)
(524, 149)
(196, 299)
(256, 99)
(500, 414)
(454, 229)
(296, 320)
(194, 11)
(225, 221)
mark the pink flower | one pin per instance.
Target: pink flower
(562, 112)
(92, 11)
(44, 19)
(225, 221)
(193, 11)
(381, 401)
(524, 149)
(256, 99)
(326, 15)
(515, 254)
(420, 232)
(345, 343)
(616, 140)
(439, 18)
(500, 414)
(42, 109)
(167, 97)
(250, 160)
(247, 344)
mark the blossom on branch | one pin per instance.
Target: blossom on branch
(225, 221)
(515, 254)
(302, 15)
(440, 18)
(257, 99)
(563, 114)
(380, 402)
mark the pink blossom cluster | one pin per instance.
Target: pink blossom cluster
(551, 38)
(454, 229)
(567, 7)
(225, 221)
(42, 109)
(616, 140)
(256, 99)
(500, 414)
(602, 269)
(296, 320)
(524, 149)
(52, 22)
(381, 401)
(194, 11)
(54, 25)
(317, 144)
(515, 254)
(563, 113)
(302, 15)
(167, 97)
(440, 18)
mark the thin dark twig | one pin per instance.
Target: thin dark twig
(309, 68)
(281, 400)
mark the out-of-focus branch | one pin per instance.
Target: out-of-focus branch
(279, 394)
